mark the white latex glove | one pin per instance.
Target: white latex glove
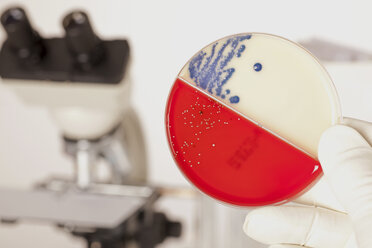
(327, 221)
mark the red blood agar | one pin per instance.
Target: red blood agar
(230, 158)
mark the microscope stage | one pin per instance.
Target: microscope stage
(69, 208)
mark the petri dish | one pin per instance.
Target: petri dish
(244, 118)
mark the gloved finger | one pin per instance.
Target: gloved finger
(346, 159)
(286, 246)
(321, 195)
(307, 226)
(363, 127)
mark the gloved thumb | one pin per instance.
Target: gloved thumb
(346, 159)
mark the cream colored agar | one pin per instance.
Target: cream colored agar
(292, 96)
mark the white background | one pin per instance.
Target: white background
(163, 35)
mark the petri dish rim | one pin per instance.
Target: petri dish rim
(330, 89)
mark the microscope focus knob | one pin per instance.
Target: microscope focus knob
(174, 229)
(22, 38)
(82, 42)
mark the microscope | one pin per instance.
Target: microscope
(84, 81)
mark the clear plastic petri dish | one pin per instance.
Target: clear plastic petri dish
(244, 118)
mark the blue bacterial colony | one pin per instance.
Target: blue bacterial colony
(211, 72)
(257, 67)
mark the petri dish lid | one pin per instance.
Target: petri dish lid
(244, 118)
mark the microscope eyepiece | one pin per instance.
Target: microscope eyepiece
(79, 56)
(81, 40)
(22, 38)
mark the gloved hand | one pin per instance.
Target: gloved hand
(327, 220)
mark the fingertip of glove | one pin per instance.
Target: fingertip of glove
(251, 219)
(257, 221)
(336, 134)
(338, 139)
(285, 246)
(246, 223)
